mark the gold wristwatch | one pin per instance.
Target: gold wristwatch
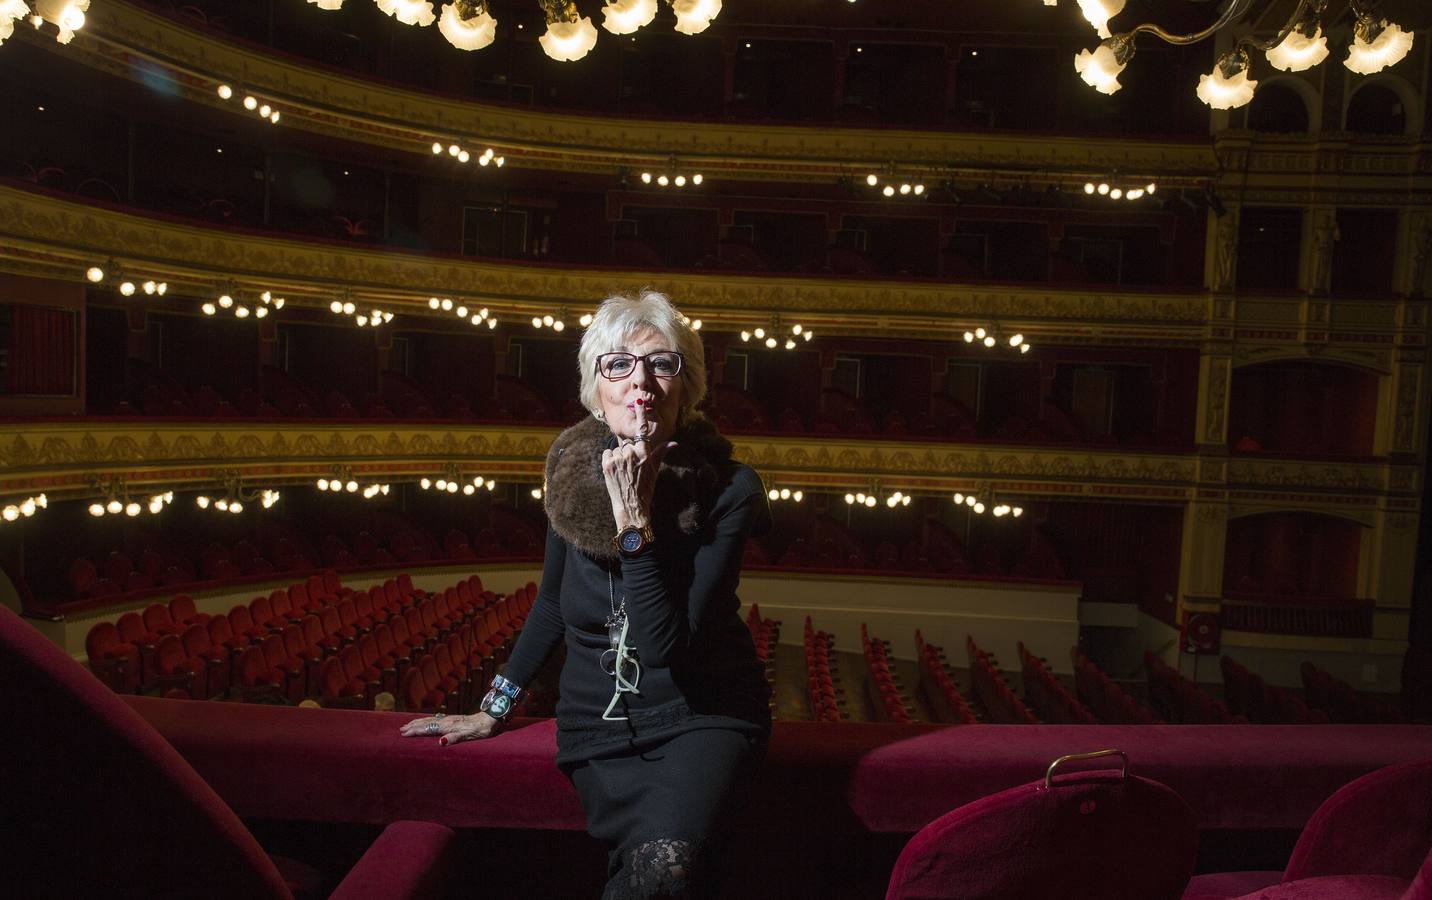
(631, 540)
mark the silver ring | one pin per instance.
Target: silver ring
(640, 438)
(433, 728)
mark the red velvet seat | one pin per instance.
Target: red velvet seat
(132, 631)
(315, 634)
(182, 611)
(215, 674)
(186, 843)
(1096, 835)
(378, 669)
(333, 626)
(380, 601)
(395, 597)
(335, 689)
(293, 670)
(158, 621)
(363, 608)
(113, 661)
(261, 610)
(352, 627)
(298, 597)
(173, 667)
(241, 622)
(221, 634)
(256, 679)
(282, 606)
(1372, 835)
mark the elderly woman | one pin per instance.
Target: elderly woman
(664, 711)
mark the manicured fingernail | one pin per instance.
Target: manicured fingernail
(442, 741)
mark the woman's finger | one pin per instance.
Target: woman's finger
(421, 727)
(640, 417)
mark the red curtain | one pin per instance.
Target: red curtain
(42, 351)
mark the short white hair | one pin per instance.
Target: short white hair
(614, 324)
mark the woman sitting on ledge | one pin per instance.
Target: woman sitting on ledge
(664, 713)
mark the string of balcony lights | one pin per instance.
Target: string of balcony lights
(987, 337)
(770, 338)
(1115, 192)
(373, 318)
(452, 483)
(469, 25)
(556, 323)
(460, 153)
(126, 286)
(871, 500)
(447, 304)
(671, 177)
(982, 501)
(693, 324)
(891, 189)
(25, 508)
(117, 505)
(1298, 45)
(795, 496)
(226, 301)
(68, 16)
(252, 102)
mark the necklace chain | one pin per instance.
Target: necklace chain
(618, 614)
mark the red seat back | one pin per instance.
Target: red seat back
(1379, 824)
(383, 635)
(102, 637)
(399, 629)
(106, 750)
(391, 592)
(262, 611)
(330, 678)
(405, 583)
(347, 614)
(181, 608)
(293, 642)
(331, 622)
(275, 653)
(281, 605)
(362, 605)
(241, 620)
(352, 659)
(331, 584)
(196, 640)
(298, 596)
(313, 631)
(221, 633)
(368, 648)
(1094, 834)
(156, 617)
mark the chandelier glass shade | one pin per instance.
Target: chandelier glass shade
(1222, 91)
(409, 12)
(10, 10)
(569, 41)
(329, 5)
(1297, 46)
(1298, 52)
(626, 16)
(1100, 67)
(66, 15)
(1099, 12)
(694, 16)
(471, 33)
(1369, 56)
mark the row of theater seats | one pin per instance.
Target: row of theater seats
(989, 688)
(455, 685)
(883, 687)
(1180, 701)
(1046, 696)
(402, 543)
(939, 688)
(1248, 695)
(765, 634)
(1341, 702)
(826, 699)
(1108, 702)
(814, 551)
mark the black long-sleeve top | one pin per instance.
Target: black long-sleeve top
(698, 662)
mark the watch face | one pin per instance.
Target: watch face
(500, 705)
(631, 540)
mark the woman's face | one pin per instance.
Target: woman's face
(658, 395)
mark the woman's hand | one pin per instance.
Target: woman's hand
(630, 471)
(452, 729)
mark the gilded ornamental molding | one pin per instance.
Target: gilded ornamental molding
(62, 458)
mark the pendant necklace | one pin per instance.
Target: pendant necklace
(617, 619)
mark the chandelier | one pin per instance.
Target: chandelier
(1298, 45)
(468, 25)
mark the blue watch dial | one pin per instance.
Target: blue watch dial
(631, 540)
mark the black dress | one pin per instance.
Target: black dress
(662, 786)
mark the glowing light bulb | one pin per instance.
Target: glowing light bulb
(225, 92)
(94, 274)
(96, 509)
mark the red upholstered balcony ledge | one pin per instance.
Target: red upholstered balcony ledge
(325, 765)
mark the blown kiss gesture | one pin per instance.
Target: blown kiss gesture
(630, 468)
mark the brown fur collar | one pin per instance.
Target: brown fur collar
(576, 498)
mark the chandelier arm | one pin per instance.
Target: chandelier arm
(1235, 9)
(1307, 9)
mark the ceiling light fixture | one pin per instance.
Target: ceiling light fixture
(1297, 46)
